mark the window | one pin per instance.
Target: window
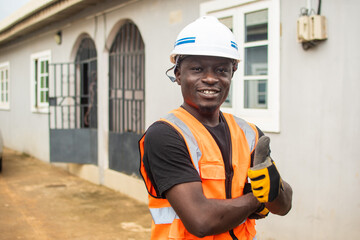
(4, 86)
(256, 59)
(228, 21)
(254, 93)
(40, 81)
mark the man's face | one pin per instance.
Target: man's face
(205, 82)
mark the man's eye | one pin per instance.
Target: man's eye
(222, 70)
(196, 69)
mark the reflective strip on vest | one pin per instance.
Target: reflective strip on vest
(164, 215)
(167, 215)
(189, 139)
(248, 131)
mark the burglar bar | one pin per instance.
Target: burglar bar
(126, 82)
(65, 97)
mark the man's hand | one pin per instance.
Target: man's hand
(262, 211)
(265, 178)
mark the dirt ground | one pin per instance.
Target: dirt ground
(39, 201)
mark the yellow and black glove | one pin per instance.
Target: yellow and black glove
(265, 178)
(262, 211)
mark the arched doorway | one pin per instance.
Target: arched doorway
(86, 62)
(73, 107)
(126, 98)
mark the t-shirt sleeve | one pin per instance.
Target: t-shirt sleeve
(260, 133)
(166, 158)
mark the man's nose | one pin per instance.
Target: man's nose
(210, 77)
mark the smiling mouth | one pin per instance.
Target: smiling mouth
(208, 92)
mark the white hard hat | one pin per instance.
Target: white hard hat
(207, 37)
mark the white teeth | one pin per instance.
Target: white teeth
(209, 92)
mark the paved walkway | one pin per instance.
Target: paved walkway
(39, 202)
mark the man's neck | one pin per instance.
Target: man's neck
(208, 118)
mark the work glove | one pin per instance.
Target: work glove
(262, 211)
(265, 178)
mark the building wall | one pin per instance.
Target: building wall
(316, 148)
(22, 129)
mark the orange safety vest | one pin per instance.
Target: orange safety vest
(207, 160)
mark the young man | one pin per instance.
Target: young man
(196, 161)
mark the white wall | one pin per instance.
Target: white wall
(316, 150)
(22, 129)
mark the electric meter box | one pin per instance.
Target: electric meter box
(303, 29)
(311, 28)
(318, 27)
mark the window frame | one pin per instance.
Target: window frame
(5, 66)
(36, 105)
(268, 120)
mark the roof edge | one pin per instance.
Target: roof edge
(24, 12)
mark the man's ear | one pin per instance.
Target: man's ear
(234, 68)
(177, 76)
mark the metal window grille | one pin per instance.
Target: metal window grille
(73, 108)
(126, 99)
(73, 93)
(127, 81)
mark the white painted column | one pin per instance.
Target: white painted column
(103, 96)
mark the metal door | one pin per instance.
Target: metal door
(126, 99)
(73, 107)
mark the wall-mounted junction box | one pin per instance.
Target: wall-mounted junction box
(303, 29)
(310, 28)
(318, 27)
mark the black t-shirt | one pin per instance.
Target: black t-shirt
(167, 160)
(221, 134)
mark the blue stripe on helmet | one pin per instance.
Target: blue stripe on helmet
(185, 40)
(234, 45)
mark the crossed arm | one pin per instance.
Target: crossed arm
(203, 217)
(282, 204)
